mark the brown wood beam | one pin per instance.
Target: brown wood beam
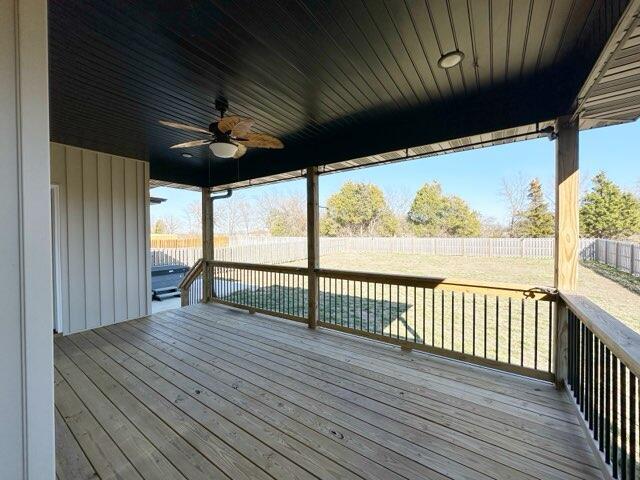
(313, 244)
(567, 231)
(207, 243)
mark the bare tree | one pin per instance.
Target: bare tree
(514, 192)
(399, 200)
(233, 216)
(169, 224)
(193, 217)
(283, 214)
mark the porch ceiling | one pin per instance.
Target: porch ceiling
(340, 82)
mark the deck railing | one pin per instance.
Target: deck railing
(603, 369)
(272, 289)
(191, 285)
(499, 325)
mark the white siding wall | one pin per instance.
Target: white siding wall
(26, 315)
(104, 231)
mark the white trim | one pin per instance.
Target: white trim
(58, 324)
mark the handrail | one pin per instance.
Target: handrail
(501, 325)
(458, 285)
(603, 363)
(621, 340)
(185, 285)
(192, 274)
(259, 267)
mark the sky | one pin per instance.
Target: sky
(474, 175)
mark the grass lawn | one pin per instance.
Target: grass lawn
(608, 294)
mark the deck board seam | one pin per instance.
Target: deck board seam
(195, 398)
(106, 432)
(305, 395)
(354, 344)
(143, 404)
(135, 426)
(448, 415)
(459, 445)
(127, 340)
(499, 397)
(462, 433)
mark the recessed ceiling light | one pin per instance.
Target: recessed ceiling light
(187, 155)
(451, 59)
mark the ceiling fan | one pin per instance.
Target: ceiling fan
(229, 137)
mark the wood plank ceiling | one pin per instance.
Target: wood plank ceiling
(337, 80)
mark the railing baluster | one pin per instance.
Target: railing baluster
(463, 326)
(623, 421)
(433, 318)
(442, 320)
(609, 410)
(522, 333)
(633, 410)
(473, 346)
(509, 333)
(601, 412)
(549, 336)
(485, 326)
(535, 337)
(497, 325)
(596, 386)
(453, 327)
(614, 416)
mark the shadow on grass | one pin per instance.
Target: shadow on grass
(384, 317)
(628, 281)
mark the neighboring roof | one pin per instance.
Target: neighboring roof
(336, 81)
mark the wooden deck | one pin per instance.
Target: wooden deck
(210, 392)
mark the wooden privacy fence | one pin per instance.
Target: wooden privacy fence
(276, 250)
(624, 256)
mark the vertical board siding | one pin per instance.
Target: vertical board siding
(104, 220)
(105, 233)
(119, 244)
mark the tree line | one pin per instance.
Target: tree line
(364, 209)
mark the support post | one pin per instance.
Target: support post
(313, 244)
(567, 232)
(27, 444)
(207, 244)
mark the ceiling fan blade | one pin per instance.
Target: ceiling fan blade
(241, 151)
(182, 126)
(238, 126)
(194, 143)
(260, 140)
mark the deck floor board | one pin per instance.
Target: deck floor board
(208, 391)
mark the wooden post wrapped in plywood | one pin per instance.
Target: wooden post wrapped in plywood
(207, 244)
(567, 232)
(313, 242)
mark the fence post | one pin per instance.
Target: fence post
(617, 262)
(633, 259)
(313, 241)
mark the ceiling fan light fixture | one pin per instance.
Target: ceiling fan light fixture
(223, 149)
(450, 59)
